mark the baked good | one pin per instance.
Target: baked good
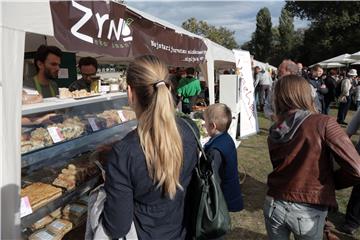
(80, 93)
(111, 116)
(41, 135)
(45, 234)
(129, 114)
(75, 212)
(41, 223)
(31, 97)
(68, 184)
(60, 226)
(71, 167)
(40, 194)
(56, 213)
(65, 93)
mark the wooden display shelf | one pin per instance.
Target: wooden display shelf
(64, 199)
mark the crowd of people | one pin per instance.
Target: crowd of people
(328, 88)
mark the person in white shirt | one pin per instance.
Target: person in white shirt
(344, 98)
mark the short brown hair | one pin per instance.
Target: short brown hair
(43, 51)
(220, 114)
(292, 92)
(316, 67)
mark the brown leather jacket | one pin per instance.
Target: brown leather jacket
(303, 166)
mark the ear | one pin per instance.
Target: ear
(129, 93)
(39, 64)
(131, 96)
(213, 125)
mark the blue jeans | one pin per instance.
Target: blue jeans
(305, 221)
(357, 105)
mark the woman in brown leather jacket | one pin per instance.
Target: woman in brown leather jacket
(302, 144)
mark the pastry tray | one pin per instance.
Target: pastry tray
(93, 95)
(64, 199)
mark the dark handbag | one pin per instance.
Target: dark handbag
(208, 210)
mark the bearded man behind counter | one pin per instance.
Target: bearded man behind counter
(47, 63)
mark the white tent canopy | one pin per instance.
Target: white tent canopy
(329, 65)
(344, 58)
(216, 56)
(356, 63)
(263, 66)
(355, 56)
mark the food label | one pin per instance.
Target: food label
(93, 124)
(57, 225)
(44, 235)
(78, 209)
(25, 207)
(121, 115)
(55, 134)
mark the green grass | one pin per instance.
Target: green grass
(253, 157)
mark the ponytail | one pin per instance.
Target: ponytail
(159, 136)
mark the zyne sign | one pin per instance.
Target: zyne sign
(121, 31)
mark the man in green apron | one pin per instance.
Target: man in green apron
(47, 63)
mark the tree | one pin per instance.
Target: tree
(334, 28)
(263, 35)
(220, 35)
(286, 33)
(249, 45)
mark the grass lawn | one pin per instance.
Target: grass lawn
(254, 159)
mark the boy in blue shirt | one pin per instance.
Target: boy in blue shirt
(217, 122)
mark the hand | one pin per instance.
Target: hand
(342, 99)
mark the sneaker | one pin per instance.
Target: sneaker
(345, 228)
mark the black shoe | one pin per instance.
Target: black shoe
(343, 123)
(345, 228)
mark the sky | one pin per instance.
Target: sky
(238, 16)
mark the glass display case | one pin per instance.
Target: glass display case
(59, 160)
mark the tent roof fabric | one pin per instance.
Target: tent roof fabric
(355, 56)
(343, 58)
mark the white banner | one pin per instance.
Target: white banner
(248, 115)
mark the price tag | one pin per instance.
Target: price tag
(121, 115)
(25, 207)
(93, 124)
(57, 224)
(55, 134)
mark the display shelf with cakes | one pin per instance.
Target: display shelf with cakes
(60, 161)
(54, 103)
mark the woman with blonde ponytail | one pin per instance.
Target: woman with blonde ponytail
(149, 170)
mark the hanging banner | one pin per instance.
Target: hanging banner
(248, 115)
(109, 28)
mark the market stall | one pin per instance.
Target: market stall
(25, 155)
(108, 31)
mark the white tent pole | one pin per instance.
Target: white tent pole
(12, 43)
(211, 80)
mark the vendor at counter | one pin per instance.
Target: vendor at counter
(88, 68)
(47, 63)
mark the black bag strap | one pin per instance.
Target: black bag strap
(197, 139)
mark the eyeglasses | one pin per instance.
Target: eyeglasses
(88, 74)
